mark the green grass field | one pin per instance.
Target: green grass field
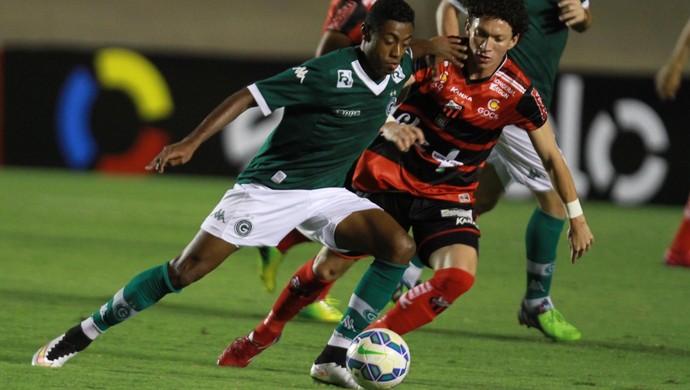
(68, 241)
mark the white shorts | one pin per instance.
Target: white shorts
(515, 160)
(255, 215)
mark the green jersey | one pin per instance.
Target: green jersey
(333, 111)
(539, 50)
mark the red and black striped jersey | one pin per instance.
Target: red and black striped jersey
(347, 16)
(462, 120)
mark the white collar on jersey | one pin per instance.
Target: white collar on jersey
(371, 84)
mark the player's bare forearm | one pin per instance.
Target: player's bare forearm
(181, 152)
(580, 237)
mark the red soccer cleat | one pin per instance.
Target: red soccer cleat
(241, 352)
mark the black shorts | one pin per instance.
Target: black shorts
(434, 223)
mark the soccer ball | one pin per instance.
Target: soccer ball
(378, 359)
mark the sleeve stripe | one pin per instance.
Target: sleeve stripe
(260, 101)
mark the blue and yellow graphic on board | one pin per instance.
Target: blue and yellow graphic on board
(113, 69)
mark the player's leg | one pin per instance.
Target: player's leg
(270, 258)
(454, 267)
(678, 253)
(377, 233)
(517, 160)
(305, 286)
(201, 256)
(322, 309)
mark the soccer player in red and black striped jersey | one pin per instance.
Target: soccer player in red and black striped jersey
(431, 188)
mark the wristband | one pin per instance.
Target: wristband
(573, 209)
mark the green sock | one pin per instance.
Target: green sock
(541, 239)
(370, 297)
(141, 292)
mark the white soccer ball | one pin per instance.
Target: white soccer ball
(378, 359)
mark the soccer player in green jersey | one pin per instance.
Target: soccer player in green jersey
(538, 53)
(334, 108)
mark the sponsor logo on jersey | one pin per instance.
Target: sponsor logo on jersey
(462, 221)
(458, 92)
(345, 79)
(502, 88)
(301, 73)
(346, 113)
(446, 161)
(493, 104)
(487, 113)
(398, 75)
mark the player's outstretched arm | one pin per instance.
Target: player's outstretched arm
(580, 236)
(181, 152)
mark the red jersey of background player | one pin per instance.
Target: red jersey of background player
(462, 120)
(347, 16)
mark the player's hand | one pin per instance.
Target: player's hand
(667, 82)
(580, 238)
(453, 49)
(403, 136)
(172, 155)
(572, 12)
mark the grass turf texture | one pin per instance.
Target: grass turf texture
(68, 241)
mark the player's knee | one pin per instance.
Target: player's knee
(183, 271)
(329, 266)
(401, 249)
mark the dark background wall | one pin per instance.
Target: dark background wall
(628, 36)
(103, 85)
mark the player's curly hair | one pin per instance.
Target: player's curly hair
(385, 10)
(512, 12)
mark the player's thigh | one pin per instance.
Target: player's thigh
(375, 232)
(441, 228)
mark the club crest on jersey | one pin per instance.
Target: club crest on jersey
(345, 79)
(301, 73)
(390, 108)
(398, 75)
(493, 105)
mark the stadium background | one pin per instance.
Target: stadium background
(102, 85)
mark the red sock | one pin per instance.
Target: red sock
(325, 292)
(681, 242)
(293, 238)
(423, 303)
(304, 288)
